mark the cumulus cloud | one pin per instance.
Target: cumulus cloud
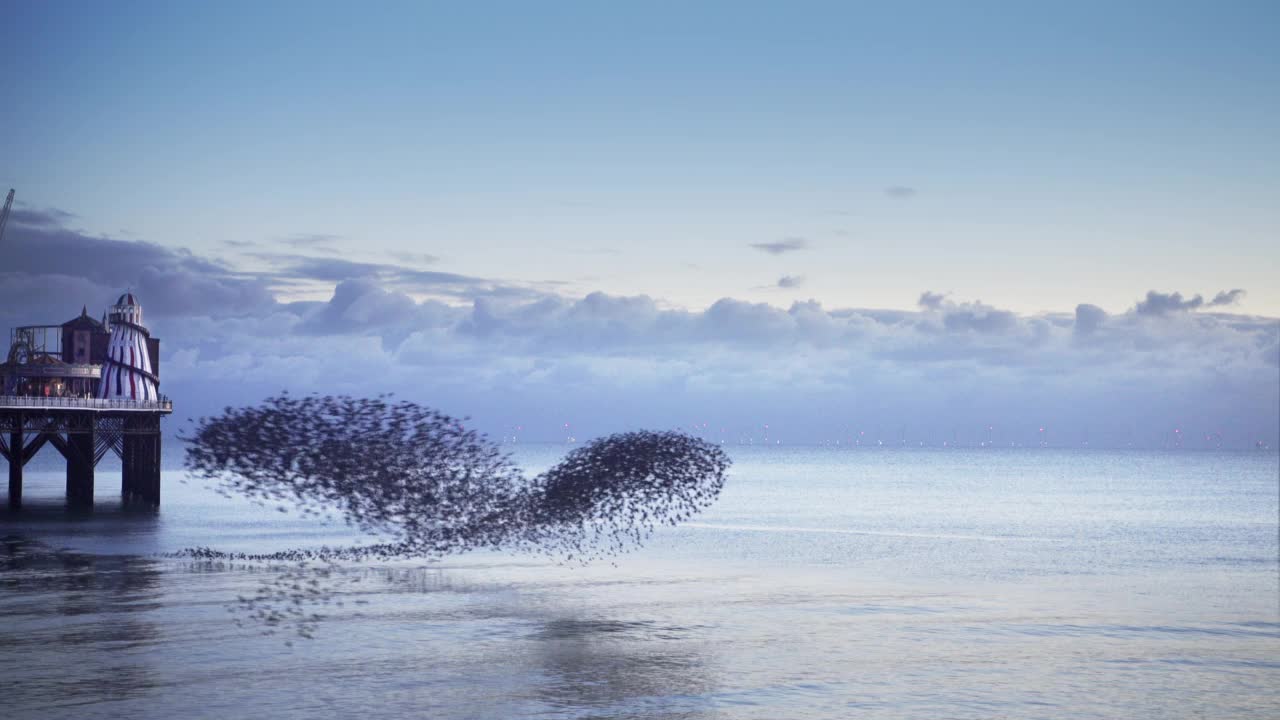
(900, 191)
(1157, 303)
(359, 306)
(785, 245)
(931, 300)
(1227, 297)
(976, 317)
(790, 281)
(1089, 318)
(967, 316)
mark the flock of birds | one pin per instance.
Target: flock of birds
(432, 487)
(410, 473)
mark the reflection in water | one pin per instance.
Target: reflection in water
(1155, 598)
(108, 528)
(73, 625)
(622, 666)
(531, 640)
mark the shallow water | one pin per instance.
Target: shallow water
(825, 583)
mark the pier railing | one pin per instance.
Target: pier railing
(38, 402)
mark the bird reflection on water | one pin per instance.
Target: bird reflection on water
(612, 664)
(83, 631)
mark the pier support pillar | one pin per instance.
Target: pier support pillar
(128, 449)
(80, 468)
(15, 469)
(140, 466)
(150, 470)
(155, 470)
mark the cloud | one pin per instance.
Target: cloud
(415, 258)
(313, 241)
(1089, 318)
(931, 300)
(976, 317)
(1157, 303)
(308, 268)
(509, 352)
(790, 281)
(900, 191)
(40, 251)
(964, 317)
(742, 323)
(360, 306)
(608, 362)
(784, 245)
(1227, 297)
(47, 218)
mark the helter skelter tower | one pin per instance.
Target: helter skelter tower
(126, 372)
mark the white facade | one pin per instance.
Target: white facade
(127, 373)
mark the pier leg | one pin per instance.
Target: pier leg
(141, 467)
(15, 469)
(128, 471)
(140, 460)
(80, 469)
(148, 464)
(155, 470)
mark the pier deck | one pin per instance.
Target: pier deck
(83, 430)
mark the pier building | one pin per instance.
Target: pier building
(86, 387)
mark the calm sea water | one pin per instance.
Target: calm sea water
(825, 583)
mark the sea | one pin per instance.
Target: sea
(825, 582)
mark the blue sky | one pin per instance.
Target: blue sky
(641, 149)
(1015, 157)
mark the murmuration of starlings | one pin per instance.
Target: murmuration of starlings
(431, 487)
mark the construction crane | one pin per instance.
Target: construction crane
(4, 216)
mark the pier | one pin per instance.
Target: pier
(85, 388)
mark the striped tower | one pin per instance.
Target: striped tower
(127, 373)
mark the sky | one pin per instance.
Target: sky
(910, 219)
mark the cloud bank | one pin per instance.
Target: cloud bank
(521, 359)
